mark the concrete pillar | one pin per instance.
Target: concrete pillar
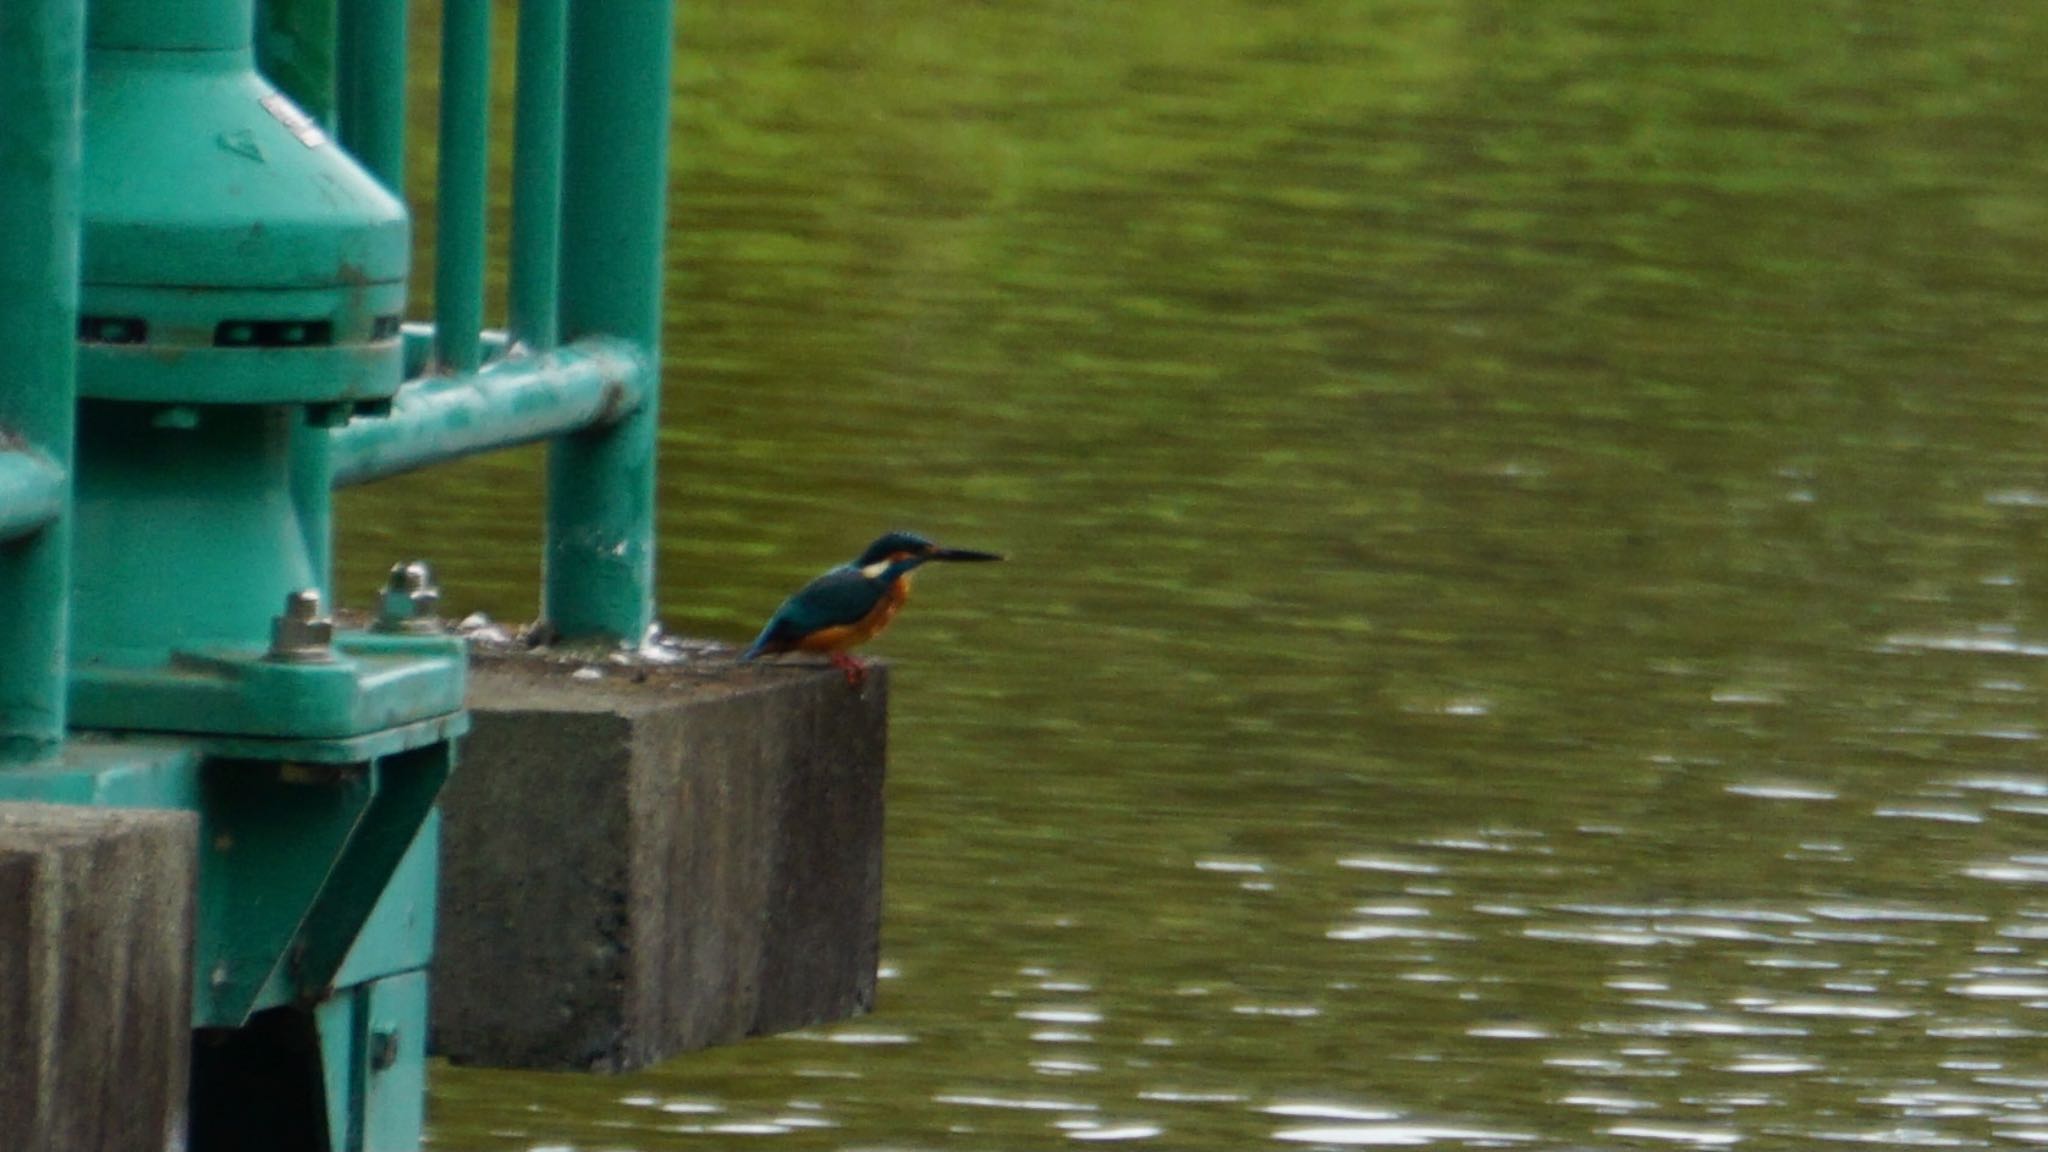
(656, 861)
(96, 909)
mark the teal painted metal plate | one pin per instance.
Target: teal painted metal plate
(354, 373)
(340, 749)
(399, 935)
(373, 684)
(373, 1059)
(301, 857)
(348, 349)
(118, 771)
(395, 1086)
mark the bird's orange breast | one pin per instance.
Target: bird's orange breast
(844, 636)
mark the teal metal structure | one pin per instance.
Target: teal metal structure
(203, 273)
(41, 55)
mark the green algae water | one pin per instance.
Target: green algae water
(1525, 622)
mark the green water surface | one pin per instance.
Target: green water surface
(1525, 621)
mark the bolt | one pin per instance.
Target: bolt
(383, 1047)
(302, 635)
(410, 600)
(176, 417)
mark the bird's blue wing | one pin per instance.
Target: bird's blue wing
(841, 596)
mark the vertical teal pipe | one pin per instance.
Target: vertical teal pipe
(460, 192)
(599, 579)
(41, 57)
(537, 173)
(297, 48)
(372, 87)
(370, 116)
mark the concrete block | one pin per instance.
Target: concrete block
(656, 861)
(96, 908)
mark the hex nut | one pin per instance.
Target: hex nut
(302, 635)
(410, 601)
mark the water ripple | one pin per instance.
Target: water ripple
(1676, 1134)
(1400, 1135)
(1106, 1133)
(1021, 1104)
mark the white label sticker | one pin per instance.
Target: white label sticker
(295, 121)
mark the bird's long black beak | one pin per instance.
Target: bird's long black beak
(962, 554)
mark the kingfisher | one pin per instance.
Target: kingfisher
(852, 603)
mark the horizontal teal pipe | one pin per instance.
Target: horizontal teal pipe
(589, 384)
(31, 492)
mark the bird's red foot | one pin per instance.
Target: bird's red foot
(855, 670)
